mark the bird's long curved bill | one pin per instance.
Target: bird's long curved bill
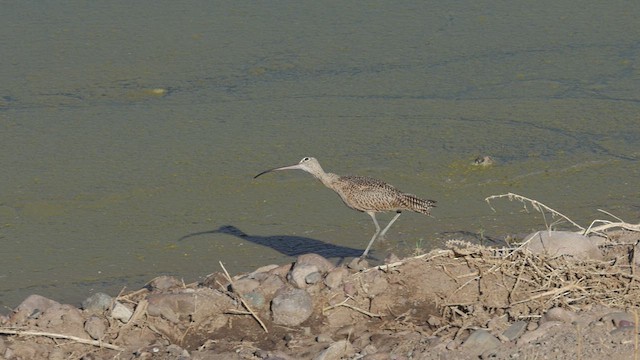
(290, 167)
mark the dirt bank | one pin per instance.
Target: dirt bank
(464, 301)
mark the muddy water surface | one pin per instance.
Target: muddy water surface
(130, 132)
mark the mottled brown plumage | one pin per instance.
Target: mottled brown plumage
(369, 194)
(364, 194)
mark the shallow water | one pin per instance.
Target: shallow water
(130, 132)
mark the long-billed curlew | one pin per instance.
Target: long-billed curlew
(364, 194)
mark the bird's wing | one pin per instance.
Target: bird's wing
(368, 194)
(363, 183)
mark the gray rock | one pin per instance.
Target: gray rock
(558, 243)
(263, 269)
(275, 355)
(537, 333)
(255, 299)
(434, 321)
(299, 273)
(452, 345)
(515, 330)
(177, 352)
(335, 277)
(291, 307)
(324, 338)
(65, 318)
(481, 341)
(200, 305)
(622, 332)
(316, 260)
(121, 312)
(559, 314)
(313, 278)
(271, 284)
(97, 303)
(165, 283)
(245, 285)
(31, 307)
(336, 351)
(281, 270)
(618, 319)
(95, 327)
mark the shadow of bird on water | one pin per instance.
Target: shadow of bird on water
(286, 244)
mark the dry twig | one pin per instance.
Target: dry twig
(608, 225)
(554, 292)
(62, 336)
(540, 207)
(244, 303)
(433, 254)
(344, 303)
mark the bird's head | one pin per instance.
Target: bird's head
(308, 164)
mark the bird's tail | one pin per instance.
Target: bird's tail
(418, 205)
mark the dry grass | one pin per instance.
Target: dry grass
(540, 282)
(522, 284)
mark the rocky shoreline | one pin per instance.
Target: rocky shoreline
(464, 302)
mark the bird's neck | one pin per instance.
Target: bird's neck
(326, 178)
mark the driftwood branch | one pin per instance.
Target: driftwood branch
(62, 336)
(606, 224)
(540, 207)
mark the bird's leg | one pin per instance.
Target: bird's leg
(389, 225)
(375, 222)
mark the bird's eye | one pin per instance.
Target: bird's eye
(306, 159)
